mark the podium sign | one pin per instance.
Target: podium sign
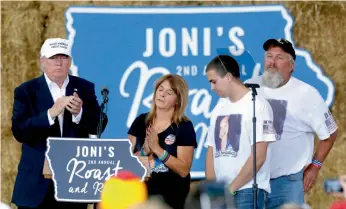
(80, 166)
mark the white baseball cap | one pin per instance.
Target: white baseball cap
(53, 46)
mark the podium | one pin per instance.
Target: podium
(80, 166)
(47, 173)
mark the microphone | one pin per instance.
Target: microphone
(103, 119)
(252, 85)
(104, 93)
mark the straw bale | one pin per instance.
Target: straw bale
(19, 7)
(319, 27)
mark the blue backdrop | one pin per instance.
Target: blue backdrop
(128, 48)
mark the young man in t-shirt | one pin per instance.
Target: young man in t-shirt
(230, 152)
(299, 112)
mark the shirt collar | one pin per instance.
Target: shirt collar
(50, 82)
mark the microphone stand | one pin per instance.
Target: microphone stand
(254, 185)
(102, 116)
(100, 125)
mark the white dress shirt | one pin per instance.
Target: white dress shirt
(56, 93)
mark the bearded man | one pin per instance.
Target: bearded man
(299, 112)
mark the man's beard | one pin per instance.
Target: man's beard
(272, 79)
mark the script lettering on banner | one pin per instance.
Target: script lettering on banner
(128, 48)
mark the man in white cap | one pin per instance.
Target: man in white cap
(55, 104)
(299, 112)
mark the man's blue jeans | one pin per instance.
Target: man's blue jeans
(244, 199)
(285, 189)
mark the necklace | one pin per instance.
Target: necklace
(161, 126)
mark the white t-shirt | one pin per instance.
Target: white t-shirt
(299, 111)
(231, 136)
(4, 206)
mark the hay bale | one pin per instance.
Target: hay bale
(18, 7)
(318, 28)
(21, 32)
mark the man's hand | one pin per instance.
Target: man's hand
(310, 177)
(59, 106)
(232, 189)
(343, 182)
(75, 105)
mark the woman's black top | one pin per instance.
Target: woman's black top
(171, 186)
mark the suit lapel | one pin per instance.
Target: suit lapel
(43, 95)
(67, 115)
(70, 86)
(46, 101)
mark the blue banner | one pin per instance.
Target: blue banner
(128, 48)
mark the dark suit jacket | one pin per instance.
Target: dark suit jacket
(30, 126)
